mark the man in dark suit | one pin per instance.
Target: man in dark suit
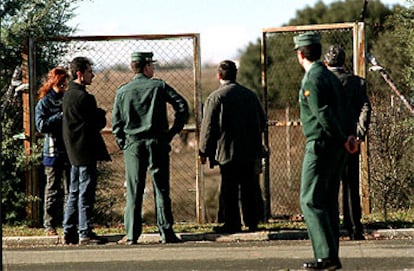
(82, 122)
(359, 108)
(231, 136)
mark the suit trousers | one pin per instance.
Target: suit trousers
(322, 166)
(141, 155)
(239, 181)
(350, 195)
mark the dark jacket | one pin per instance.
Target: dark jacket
(48, 119)
(358, 105)
(232, 125)
(82, 122)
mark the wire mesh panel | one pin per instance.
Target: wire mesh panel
(177, 63)
(282, 79)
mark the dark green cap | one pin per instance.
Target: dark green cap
(142, 57)
(307, 38)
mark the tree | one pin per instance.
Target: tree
(251, 58)
(283, 85)
(345, 11)
(394, 49)
(21, 20)
(392, 129)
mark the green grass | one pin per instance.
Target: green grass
(178, 227)
(395, 220)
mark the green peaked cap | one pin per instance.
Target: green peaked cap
(307, 38)
(142, 57)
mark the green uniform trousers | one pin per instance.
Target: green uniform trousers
(321, 170)
(141, 155)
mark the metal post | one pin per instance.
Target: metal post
(200, 201)
(28, 97)
(266, 169)
(360, 65)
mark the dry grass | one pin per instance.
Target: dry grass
(396, 220)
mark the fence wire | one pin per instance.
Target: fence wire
(286, 141)
(177, 64)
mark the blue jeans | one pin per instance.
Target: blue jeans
(79, 206)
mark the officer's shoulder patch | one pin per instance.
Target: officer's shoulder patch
(306, 93)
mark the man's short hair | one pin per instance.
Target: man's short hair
(227, 70)
(335, 56)
(311, 52)
(79, 63)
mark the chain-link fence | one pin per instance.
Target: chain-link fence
(282, 78)
(178, 58)
(194, 194)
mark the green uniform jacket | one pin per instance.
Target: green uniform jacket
(140, 110)
(322, 110)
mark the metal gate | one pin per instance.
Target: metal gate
(281, 77)
(178, 63)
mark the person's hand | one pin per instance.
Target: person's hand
(351, 145)
(203, 159)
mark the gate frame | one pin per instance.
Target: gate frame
(29, 100)
(359, 66)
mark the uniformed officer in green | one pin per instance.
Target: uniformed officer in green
(325, 122)
(142, 131)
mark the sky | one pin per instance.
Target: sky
(225, 26)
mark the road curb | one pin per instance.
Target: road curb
(33, 241)
(30, 241)
(394, 233)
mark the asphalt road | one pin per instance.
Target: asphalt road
(246, 255)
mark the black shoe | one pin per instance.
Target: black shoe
(226, 229)
(171, 239)
(252, 228)
(126, 241)
(323, 264)
(70, 240)
(357, 236)
(92, 239)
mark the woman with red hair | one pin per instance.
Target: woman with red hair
(48, 118)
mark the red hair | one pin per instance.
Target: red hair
(55, 77)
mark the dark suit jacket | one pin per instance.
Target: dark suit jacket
(82, 122)
(358, 104)
(232, 125)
